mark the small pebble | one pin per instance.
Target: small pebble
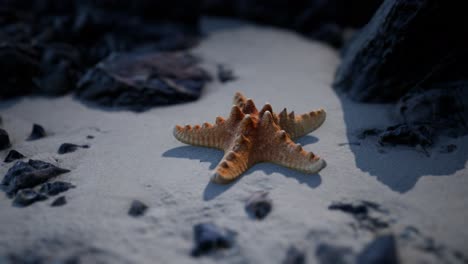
(29, 174)
(61, 200)
(37, 132)
(208, 237)
(54, 188)
(294, 256)
(137, 208)
(259, 205)
(89, 137)
(13, 155)
(26, 197)
(69, 147)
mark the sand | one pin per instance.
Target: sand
(135, 156)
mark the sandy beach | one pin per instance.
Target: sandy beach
(135, 156)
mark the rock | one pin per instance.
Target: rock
(294, 256)
(89, 137)
(69, 147)
(364, 213)
(61, 200)
(324, 20)
(137, 208)
(209, 237)
(27, 196)
(13, 155)
(19, 65)
(29, 174)
(225, 74)
(381, 250)
(327, 253)
(259, 205)
(4, 140)
(421, 39)
(37, 132)
(54, 188)
(138, 81)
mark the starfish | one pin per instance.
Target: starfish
(250, 136)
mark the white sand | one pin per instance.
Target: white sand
(135, 156)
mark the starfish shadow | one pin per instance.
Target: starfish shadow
(196, 153)
(308, 139)
(213, 190)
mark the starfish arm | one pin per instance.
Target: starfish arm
(298, 126)
(283, 151)
(207, 135)
(214, 136)
(235, 161)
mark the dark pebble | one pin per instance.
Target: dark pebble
(13, 155)
(225, 74)
(137, 208)
(294, 256)
(410, 135)
(59, 201)
(4, 140)
(69, 147)
(89, 137)
(381, 250)
(29, 174)
(259, 205)
(208, 237)
(54, 188)
(37, 132)
(26, 197)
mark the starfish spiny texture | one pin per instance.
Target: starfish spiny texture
(250, 136)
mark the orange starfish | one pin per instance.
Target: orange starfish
(250, 136)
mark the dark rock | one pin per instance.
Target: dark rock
(259, 205)
(381, 250)
(323, 20)
(13, 155)
(448, 148)
(69, 147)
(54, 188)
(137, 208)
(28, 196)
(47, 46)
(61, 200)
(327, 253)
(225, 74)
(412, 53)
(89, 137)
(138, 81)
(294, 256)
(4, 140)
(27, 175)
(209, 237)
(37, 132)
(19, 65)
(363, 212)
